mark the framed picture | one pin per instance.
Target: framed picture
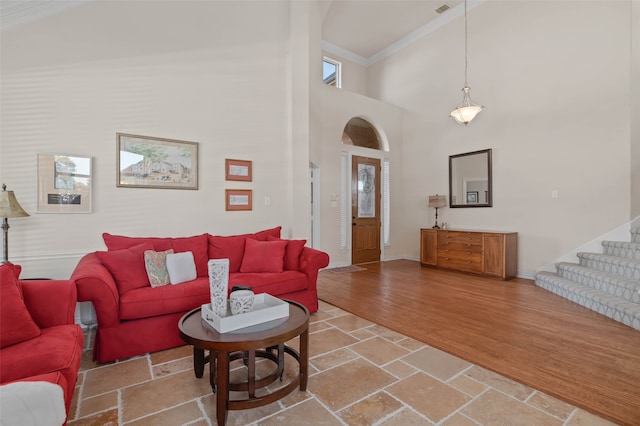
(64, 183)
(238, 199)
(237, 170)
(149, 162)
(472, 197)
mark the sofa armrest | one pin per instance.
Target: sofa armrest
(50, 302)
(311, 261)
(95, 284)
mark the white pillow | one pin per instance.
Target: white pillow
(32, 404)
(181, 267)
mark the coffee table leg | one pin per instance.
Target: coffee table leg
(304, 359)
(222, 385)
(212, 370)
(198, 362)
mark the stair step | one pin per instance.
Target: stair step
(628, 250)
(623, 288)
(606, 304)
(613, 265)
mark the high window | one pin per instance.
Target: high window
(332, 72)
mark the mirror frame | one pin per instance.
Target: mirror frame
(489, 202)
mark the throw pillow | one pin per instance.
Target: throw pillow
(231, 247)
(16, 323)
(263, 256)
(155, 263)
(181, 267)
(127, 266)
(291, 253)
(264, 235)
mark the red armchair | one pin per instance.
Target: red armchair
(39, 339)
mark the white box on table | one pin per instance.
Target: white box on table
(265, 308)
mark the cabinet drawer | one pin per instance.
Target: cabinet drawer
(461, 261)
(447, 246)
(459, 237)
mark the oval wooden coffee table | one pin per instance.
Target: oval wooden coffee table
(263, 341)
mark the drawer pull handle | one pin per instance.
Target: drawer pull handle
(468, 252)
(468, 261)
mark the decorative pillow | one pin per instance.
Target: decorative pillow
(263, 256)
(181, 267)
(291, 253)
(155, 262)
(16, 324)
(127, 266)
(231, 247)
(264, 235)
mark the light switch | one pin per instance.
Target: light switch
(554, 193)
(267, 201)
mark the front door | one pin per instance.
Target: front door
(365, 210)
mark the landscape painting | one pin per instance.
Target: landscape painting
(150, 162)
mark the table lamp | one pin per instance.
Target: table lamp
(437, 201)
(9, 207)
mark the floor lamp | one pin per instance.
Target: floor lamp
(437, 201)
(9, 207)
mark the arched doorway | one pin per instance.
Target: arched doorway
(365, 188)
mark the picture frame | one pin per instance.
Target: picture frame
(64, 183)
(238, 199)
(152, 162)
(238, 170)
(472, 197)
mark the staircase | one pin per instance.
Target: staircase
(607, 282)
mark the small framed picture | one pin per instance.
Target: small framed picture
(238, 199)
(64, 183)
(239, 170)
(472, 197)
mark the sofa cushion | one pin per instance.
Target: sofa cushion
(155, 262)
(151, 302)
(197, 244)
(291, 253)
(273, 232)
(263, 256)
(16, 323)
(275, 284)
(61, 346)
(231, 247)
(181, 267)
(127, 266)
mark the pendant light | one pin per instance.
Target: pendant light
(467, 110)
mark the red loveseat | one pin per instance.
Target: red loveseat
(135, 317)
(39, 339)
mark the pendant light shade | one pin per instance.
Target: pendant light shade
(467, 110)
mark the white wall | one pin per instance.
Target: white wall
(210, 72)
(555, 80)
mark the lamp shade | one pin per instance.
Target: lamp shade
(9, 206)
(437, 201)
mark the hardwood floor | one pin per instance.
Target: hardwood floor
(511, 327)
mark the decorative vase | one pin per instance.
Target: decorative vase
(219, 285)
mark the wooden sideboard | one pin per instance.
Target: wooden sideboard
(483, 252)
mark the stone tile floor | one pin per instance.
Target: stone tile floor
(360, 374)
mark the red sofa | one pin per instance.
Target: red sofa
(135, 318)
(39, 339)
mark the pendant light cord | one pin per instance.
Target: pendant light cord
(465, 43)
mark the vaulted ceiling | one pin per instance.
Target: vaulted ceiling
(360, 30)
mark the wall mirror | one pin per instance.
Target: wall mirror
(470, 179)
